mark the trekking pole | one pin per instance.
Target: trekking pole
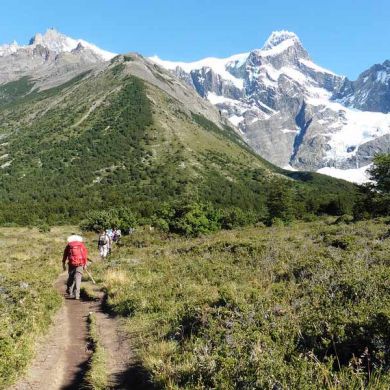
(89, 274)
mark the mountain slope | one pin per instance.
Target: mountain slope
(283, 105)
(128, 133)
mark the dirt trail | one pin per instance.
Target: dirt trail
(62, 355)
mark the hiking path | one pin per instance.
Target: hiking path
(62, 355)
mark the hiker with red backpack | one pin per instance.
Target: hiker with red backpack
(77, 255)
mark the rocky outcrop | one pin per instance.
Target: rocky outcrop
(370, 92)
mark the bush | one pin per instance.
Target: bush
(122, 218)
(44, 228)
(187, 219)
(235, 217)
(345, 218)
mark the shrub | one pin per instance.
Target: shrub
(235, 217)
(123, 218)
(187, 219)
(44, 228)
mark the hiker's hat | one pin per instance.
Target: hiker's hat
(75, 237)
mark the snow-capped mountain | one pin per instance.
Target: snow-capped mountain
(284, 105)
(49, 56)
(370, 92)
(56, 42)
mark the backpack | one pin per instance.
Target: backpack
(103, 240)
(76, 253)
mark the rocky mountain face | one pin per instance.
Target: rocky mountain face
(49, 59)
(293, 112)
(370, 92)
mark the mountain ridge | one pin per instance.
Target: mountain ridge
(291, 111)
(130, 133)
(264, 95)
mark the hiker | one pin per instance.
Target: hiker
(103, 244)
(76, 254)
(110, 234)
(117, 235)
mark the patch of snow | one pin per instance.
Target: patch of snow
(359, 128)
(382, 77)
(236, 120)
(8, 49)
(285, 131)
(278, 39)
(268, 108)
(218, 99)
(358, 175)
(312, 65)
(218, 65)
(290, 168)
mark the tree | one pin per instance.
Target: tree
(280, 202)
(374, 199)
(380, 173)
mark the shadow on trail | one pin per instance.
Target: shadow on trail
(135, 378)
(78, 380)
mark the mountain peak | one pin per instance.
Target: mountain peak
(58, 42)
(278, 37)
(51, 34)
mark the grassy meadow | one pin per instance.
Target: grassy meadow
(299, 307)
(305, 306)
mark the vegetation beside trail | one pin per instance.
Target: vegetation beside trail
(29, 265)
(300, 307)
(96, 377)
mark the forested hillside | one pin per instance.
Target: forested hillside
(129, 134)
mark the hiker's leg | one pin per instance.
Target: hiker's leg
(78, 276)
(104, 251)
(70, 281)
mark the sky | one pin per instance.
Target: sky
(345, 36)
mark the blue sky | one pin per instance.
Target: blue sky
(346, 36)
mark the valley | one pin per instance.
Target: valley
(250, 258)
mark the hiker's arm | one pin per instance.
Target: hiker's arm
(85, 253)
(65, 257)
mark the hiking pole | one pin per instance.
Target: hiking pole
(89, 274)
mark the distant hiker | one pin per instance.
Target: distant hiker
(103, 244)
(117, 235)
(76, 254)
(110, 234)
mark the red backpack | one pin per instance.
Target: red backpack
(76, 253)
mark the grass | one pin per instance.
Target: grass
(96, 377)
(299, 307)
(29, 265)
